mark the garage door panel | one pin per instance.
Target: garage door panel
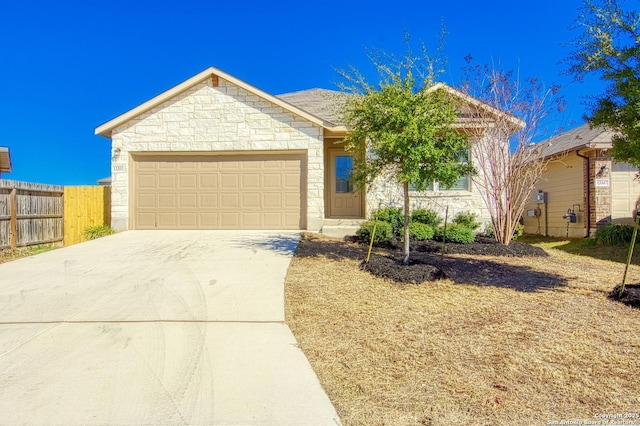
(167, 165)
(218, 192)
(146, 201)
(251, 220)
(251, 200)
(146, 220)
(167, 201)
(292, 180)
(291, 200)
(229, 220)
(167, 181)
(273, 220)
(188, 201)
(230, 181)
(250, 180)
(146, 181)
(229, 165)
(188, 181)
(230, 200)
(272, 180)
(208, 200)
(187, 220)
(272, 200)
(208, 181)
(168, 220)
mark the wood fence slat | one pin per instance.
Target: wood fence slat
(85, 206)
(13, 222)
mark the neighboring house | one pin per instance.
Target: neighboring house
(215, 152)
(5, 161)
(104, 181)
(582, 178)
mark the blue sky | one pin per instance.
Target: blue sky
(69, 66)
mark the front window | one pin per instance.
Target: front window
(462, 184)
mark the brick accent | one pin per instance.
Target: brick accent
(225, 118)
(600, 196)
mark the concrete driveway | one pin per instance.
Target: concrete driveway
(155, 327)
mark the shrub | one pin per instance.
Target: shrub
(419, 231)
(614, 234)
(428, 217)
(489, 231)
(456, 233)
(384, 231)
(468, 220)
(391, 215)
(517, 233)
(93, 232)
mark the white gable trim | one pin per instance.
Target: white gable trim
(106, 128)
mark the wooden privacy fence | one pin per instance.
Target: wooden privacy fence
(33, 213)
(30, 214)
(85, 206)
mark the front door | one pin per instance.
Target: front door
(345, 201)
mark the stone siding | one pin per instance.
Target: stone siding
(225, 118)
(386, 192)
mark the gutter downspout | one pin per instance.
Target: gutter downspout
(588, 201)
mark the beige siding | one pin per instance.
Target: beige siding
(625, 190)
(564, 184)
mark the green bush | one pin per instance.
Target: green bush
(489, 231)
(384, 231)
(614, 234)
(418, 231)
(391, 215)
(456, 233)
(428, 217)
(93, 232)
(467, 219)
(517, 233)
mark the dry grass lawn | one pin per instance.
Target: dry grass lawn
(7, 255)
(460, 353)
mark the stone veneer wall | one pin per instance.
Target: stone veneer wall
(385, 192)
(216, 119)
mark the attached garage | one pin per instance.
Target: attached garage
(255, 191)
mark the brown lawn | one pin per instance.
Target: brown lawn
(477, 348)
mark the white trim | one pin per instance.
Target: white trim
(106, 128)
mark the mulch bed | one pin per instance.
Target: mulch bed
(482, 246)
(630, 296)
(426, 255)
(391, 267)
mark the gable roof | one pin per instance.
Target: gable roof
(319, 106)
(5, 160)
(517, 122)
(581, 137)
(322, 103)
(106, 128)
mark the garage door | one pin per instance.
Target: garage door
(624, 192)
(219, 192)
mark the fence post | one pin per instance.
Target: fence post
(13, 224)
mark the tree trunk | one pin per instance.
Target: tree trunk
(405, 261)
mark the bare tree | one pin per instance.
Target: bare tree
(509, 114)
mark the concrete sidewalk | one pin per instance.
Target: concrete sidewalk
(155, 327)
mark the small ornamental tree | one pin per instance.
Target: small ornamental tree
(609, 48)
(404, 125)
(508, 114)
